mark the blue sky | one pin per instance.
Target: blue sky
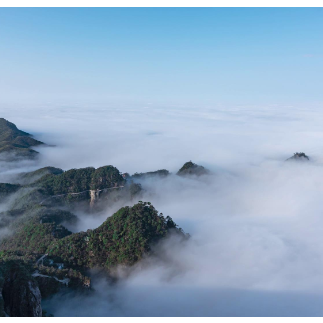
(162, 55)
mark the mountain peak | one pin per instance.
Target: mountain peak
(16, 142)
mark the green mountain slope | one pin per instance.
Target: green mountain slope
(16, 143)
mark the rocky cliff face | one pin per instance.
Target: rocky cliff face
(21, 295)
(94, 194)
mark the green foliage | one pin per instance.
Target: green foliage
(28, 258)
(7, 189)
(47, 285)
(8, 131)
(25, 142)
(12, 153)
(106, 176)
(36, 229)
(122, 239)
(71, 250)
(7, 217)
(15, 141)
(37, 214)
(157, 173)
(79, 180)
(73, 180)
(28, 197)
(34, 237)
(190, 168)
(30, 177)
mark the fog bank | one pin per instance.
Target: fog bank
(255, 222)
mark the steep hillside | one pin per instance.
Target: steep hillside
(190, 168)
(124, 238)
(15, 143)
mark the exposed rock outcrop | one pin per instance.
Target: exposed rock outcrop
(94, 195)
(21, 295)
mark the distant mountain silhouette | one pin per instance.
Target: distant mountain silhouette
(298, 157)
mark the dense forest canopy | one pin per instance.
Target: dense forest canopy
(122, 239)
(83, 179)
(158, 173)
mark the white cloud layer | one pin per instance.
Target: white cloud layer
(256, 223)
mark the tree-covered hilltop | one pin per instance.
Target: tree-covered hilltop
(124, 238)
(82, 179)
(190, 168)
(15, 142)
(48, 182)
(49, 257)
(158, 173)
(87, 188)
(31, 177)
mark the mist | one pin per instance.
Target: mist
(255, 222)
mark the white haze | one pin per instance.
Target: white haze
(256, 224)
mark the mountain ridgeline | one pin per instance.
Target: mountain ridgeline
(190, 168)
(83, 179)
(42, 256)
(122, 239)
(16, 144)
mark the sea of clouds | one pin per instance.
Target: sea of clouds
(256, 222)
